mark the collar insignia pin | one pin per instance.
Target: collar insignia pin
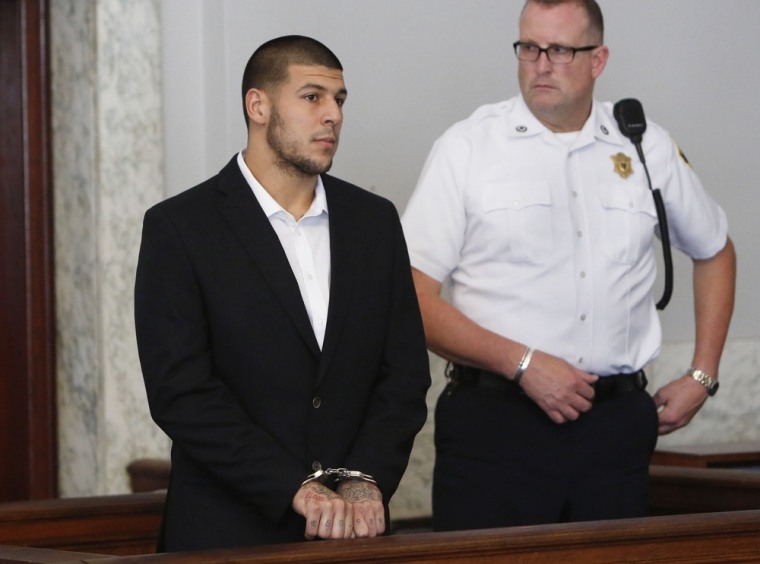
(622, 165)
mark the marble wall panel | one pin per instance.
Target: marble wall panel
(131, 179)
(76, 230)
(108, 168)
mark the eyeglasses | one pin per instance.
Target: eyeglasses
(556, 54)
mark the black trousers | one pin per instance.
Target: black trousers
(500, 460)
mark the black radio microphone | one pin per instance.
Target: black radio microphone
(629, 115)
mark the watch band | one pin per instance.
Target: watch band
(705, 379)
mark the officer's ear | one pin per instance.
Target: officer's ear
(599, 60)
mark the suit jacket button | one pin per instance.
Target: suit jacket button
(316, 402)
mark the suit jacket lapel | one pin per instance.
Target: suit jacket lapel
(245, 217)
(342, 270)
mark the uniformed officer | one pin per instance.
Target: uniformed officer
(537, 212)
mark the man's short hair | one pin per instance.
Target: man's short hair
(268, 66)
(594, 12)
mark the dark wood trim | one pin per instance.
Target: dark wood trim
(714, 455)
(715, 537)
(129, 524)
(27, 312)
(115, 524)
(28, 555)
(676, 490)
(149, 474)
(699, 538)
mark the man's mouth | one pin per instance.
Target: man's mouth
(543, 86)
(328, 142)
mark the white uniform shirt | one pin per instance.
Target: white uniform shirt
(307, 245)
(545, 243)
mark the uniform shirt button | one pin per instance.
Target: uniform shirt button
(316, 466)
(316, 402)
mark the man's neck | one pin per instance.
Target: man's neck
(563, 122)
(293, 191)
(563, 125)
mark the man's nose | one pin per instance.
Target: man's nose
(333, 114)
(543, 63)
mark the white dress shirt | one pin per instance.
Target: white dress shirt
(307, 245)
(545, 241)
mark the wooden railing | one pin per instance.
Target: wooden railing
(107, 527)
(117, 524)
(701, 538)
(148, 474)
(741, 455)
(678, 490)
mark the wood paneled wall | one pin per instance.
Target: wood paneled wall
(27, 329)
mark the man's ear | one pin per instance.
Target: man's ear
(599, 60)
(257, 106)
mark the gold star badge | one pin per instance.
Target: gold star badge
(622, 165)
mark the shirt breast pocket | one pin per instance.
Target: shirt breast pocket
(518, 221)
(628, 223)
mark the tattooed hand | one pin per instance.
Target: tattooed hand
(367, 503)
(328, 515)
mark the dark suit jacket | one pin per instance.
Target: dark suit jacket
(235, 376)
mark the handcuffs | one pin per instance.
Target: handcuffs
(337, 474)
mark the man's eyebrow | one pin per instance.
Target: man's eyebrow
(321, 88)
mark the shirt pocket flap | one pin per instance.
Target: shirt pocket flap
(515, 196)
(622, 198)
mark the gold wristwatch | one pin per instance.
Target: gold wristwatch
(705, 379)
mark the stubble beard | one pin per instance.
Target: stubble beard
(288, 159)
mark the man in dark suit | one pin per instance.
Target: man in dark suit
(278, 328)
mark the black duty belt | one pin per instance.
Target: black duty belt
(606, 387)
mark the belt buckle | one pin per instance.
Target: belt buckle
(641, 380)
(460, 374)
(604, 388)
(448, 371)
(453, 374)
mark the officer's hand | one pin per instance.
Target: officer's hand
(678, 402)
(367, 504)
(561, 390)
(328, 515)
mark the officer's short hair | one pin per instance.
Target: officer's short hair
(591, 7)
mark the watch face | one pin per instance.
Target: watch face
(714, 388)
(705, 380)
